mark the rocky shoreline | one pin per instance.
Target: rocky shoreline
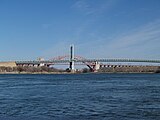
(46, 70)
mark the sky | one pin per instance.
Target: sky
(98, 28)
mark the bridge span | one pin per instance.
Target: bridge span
(87, 60)
(93, 64)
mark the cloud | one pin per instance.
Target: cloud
(95, 9)
(94, 13)
(83, 6)
(142, 42)
(106, 6)
(143, 38)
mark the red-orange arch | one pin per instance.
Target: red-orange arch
(76, 57)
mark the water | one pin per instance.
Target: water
(80, 97)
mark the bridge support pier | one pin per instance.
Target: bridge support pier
(96, 66)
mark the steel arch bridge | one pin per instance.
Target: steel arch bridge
(78, 59)
(56, 60)
(61, 59)
(93, 64)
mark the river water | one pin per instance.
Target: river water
(80, 97)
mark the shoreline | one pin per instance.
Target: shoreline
(34, 73)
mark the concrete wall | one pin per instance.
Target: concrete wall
(8, 64)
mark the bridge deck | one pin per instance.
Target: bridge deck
(88, 60)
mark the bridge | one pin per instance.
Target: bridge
(93, 64)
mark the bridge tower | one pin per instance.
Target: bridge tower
(71, 58)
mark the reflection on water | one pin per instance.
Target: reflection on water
(81, 96)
